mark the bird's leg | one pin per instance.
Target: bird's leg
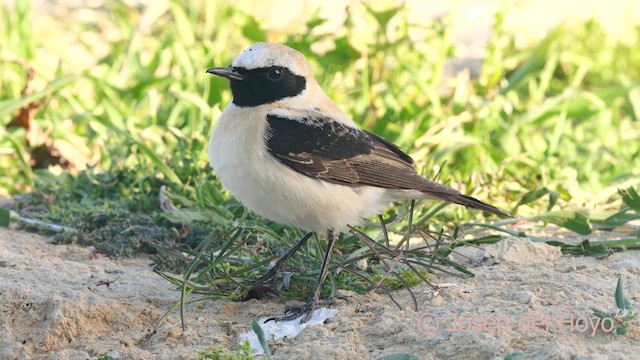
(272, 274)
(312, 303)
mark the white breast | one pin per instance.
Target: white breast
(239, 157)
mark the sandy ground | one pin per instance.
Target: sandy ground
(522, 300)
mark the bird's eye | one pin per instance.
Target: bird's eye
(275, 74)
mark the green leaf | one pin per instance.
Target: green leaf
(553, 198)
(182, 24)
(252, 30)
(536, 194)
(536, 61)
(160, 164)
(630, 198)
(21, 153)
(5, 217)
(574, 104)
(620, 300)
(585, 248)
(8, 107)
(445, 261)
(382, 17)
(601, 314)
(190, 215)
(263, 341)
(614, 220)
(572, 220)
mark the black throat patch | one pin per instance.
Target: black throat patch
(261, 88)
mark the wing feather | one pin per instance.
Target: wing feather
(326, 149)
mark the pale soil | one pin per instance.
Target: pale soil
(52, 308)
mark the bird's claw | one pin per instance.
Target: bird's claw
(294, 312)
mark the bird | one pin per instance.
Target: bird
(288, 153)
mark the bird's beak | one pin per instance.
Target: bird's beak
(226, 72)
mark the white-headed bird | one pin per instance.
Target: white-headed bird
(288, 153)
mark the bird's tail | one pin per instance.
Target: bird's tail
(432, 189)
(471, 202)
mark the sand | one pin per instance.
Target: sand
(522, 300)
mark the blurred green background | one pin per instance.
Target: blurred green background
(109, 100)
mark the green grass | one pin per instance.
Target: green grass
(614, 322)
(240, 352)
(550, 131)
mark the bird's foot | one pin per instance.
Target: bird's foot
(294, 312)
(280, 265)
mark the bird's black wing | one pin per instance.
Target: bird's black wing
(328, 150)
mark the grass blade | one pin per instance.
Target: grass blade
(261, 338)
